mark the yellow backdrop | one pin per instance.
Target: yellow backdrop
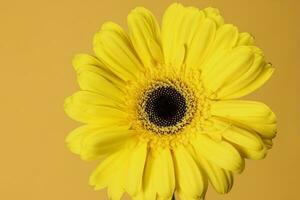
(37, 41)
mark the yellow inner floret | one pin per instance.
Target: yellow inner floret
(167, 107)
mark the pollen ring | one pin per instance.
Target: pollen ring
(166, 107)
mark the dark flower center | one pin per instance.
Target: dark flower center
(165, 106)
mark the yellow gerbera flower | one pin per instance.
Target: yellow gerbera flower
(159, 105)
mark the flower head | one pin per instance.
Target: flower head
(160, 105)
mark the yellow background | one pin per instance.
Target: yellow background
(37, 41)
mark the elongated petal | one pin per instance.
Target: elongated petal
(251, 81)
(163, 172)
(135, 169)
(182, 23)
(148, 187)
(223, 43)
(113, 47)
(106, 172)
(219, 152)
(105, 142)
(243, 137)
(92, 98)
(189, 180)
(159, 178)
(94, 109)
(115, 189)
(229, 66)
(246, 141)
(221, 179)
(245, 39)
(92, 142)
(226, 38)
(145, 35)
(75, 138)
(85, 62)
(94, 82)
(254, 115)
(214, 14)
(201, 43)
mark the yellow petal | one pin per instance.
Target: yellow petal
(75, 138)
(145, 35)
(214, 14)
(85, 62)
(219, 152)
(239, 135)
(94, 110)
(135, 169)
(221, 179)
(247, 142)
(91, 98)
(105, 142)
(148, 191)
(225, 39)
(105, 173)
(92, 142)
(113, 47)
(179, 26)
(163, 172)
(148, 186)
(253, 82)
(254, 115)
(252, 77)
(249, 75)
(91, 81)
(228, 67)
(115, 189)
(200, 44)
(252, 154)
(189, 180)
(245, 39)
(243, 137)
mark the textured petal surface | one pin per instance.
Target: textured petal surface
(189, 180)
(113, 47)
(219, 152)
(254, 115)
(221, 179)
(226, 38)
(201, 43)
(145, 35)
(246, 141)
(148, 188)
(115, 188)
(135, 169)
(92, 142)
(233, 67)
(163, 171)
(230, 65)
(85, 62)
(214, 14)
(249, 82)
(183, 24)
(94, 82)
(245, 39)
(159, 177)
(104, 175)
(88, 107)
